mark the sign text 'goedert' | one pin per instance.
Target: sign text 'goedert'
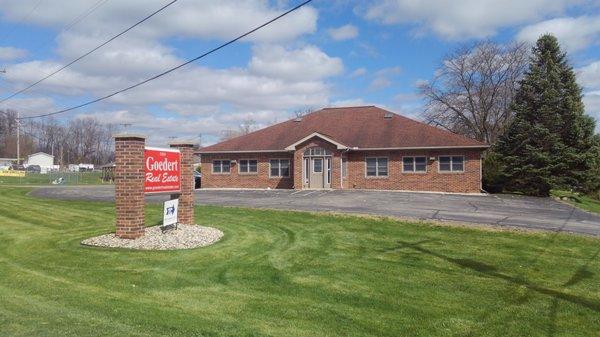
(162, 170)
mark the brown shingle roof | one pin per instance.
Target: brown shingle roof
(362, 127)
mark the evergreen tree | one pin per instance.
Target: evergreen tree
(548, 144)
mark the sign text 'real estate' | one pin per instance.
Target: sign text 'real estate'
(162, 170)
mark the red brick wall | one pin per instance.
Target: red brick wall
(129, 186)
(468, 181)
(186, 197)
(245, 180)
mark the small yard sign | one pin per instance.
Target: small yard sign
(162, 170)
(170, 212)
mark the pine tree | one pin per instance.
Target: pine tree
(548, 144)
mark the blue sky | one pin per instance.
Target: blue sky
(329, 53)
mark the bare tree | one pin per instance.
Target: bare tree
(81, 140)
(299, 113)
(247, 126)
(473, 89)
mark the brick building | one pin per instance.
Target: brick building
(346, 148)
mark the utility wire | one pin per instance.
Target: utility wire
(70, 25)
(88, 53)
(23, 18)
(85, 14)
(174, 68)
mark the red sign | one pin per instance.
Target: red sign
(163, 170)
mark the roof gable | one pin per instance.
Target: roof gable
(366, 127)
(40, 154)
(339, 146)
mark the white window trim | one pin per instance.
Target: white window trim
(414, 171)
(280, 176)
(239, 165)
(377, 176)
(212, 167)
(451, 170)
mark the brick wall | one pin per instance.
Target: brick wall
(185, 214)
(235, 179)
(468, 181)
(129, 185)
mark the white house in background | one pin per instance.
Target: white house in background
(44, 160)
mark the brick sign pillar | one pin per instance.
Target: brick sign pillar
(186, 197)
(129, 185)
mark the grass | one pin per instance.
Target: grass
(578, 200)
(279, 273)
(70, 178)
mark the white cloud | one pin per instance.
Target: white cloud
(306, 63)
(573, 33)
(589, 76)
(345, 32)
(195, 99)
(591, 101)
(11, 53)
(383, 78)
(348, 102)
(358, 72)
(461, 19)
(223, 19)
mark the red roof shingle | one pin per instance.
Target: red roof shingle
(362, 127)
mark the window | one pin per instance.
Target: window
(221, 166)
(344, 167)
(414, 164)
(377, 167)
(317, 151)
(317, 165)
(328, 176)
(279, 168)
(451, 163)
(248, 166)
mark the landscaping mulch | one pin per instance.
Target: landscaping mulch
(182, 237)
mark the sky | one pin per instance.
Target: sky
(329, 53)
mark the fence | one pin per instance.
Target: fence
(54, 178)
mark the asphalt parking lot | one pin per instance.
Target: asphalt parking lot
(495, 210)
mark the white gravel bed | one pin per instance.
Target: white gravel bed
(184, 237)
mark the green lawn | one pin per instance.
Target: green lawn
(281, 273)
(70, 178)
(578, 200)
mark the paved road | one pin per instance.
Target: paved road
(497, 210)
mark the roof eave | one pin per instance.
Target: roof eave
(240, 151)
(482, 146)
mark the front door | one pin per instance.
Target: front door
(316, 173)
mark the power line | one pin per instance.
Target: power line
(65, 28)
(85, 14)
(23, 18)
(174, 68)
(88, 53)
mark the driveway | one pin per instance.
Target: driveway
(496, 210)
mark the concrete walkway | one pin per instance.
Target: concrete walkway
(496, 210)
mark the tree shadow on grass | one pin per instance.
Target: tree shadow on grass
(492, 271)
